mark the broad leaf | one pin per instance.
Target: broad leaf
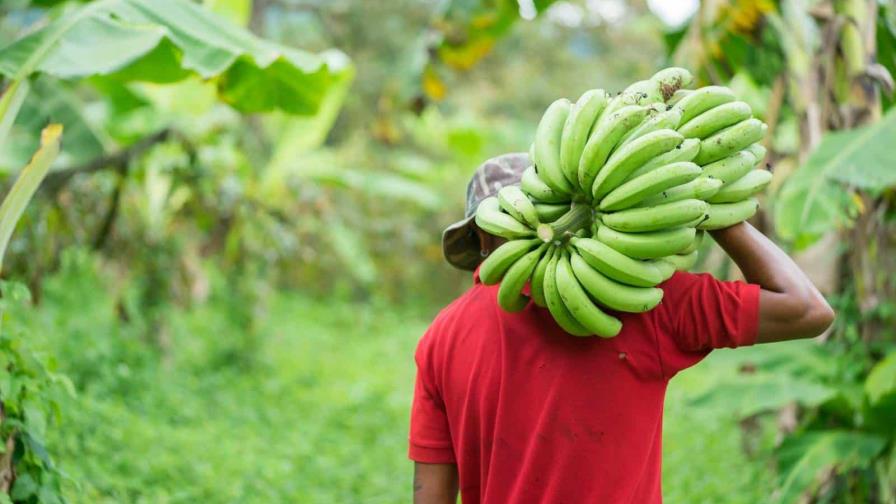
(882, 379)
(296, 136)
(748, 395)
(168, 40)
(804, 458)
(238, 11)
(27, 183)
(814, 201)
(867, 162)
(470, 29)
(51, 101)
(10, 103)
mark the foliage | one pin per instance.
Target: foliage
(125, 40)
(804, 457)
(32, 394)
(817, 197)
(321, 418)
(176, 330)
(848, 410)
(822, 88)
(167, 41)
(463, 34)
(26, 472)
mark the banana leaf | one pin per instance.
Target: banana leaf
(52, 101)
(27, 183)
(815, 199)
(168, 40)
(804, 458)
(748, 395)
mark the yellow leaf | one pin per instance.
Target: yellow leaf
(858, 202)
(433, 86)
(464, 57)
(483, 21)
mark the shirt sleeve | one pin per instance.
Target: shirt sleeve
(700, 313)
(430, 437)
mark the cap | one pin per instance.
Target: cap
(460, 243)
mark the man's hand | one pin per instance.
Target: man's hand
(790, 307)
(435, 483)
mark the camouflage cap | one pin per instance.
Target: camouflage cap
(460, 243)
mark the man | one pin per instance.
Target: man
(508, 408)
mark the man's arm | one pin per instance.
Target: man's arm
(790, 307)
(435, 483)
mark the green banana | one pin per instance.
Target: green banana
(536, 286)
(723, 215)
(686, 151)
(677, 96)
(682, 262)
(665, 268)
(547, 145)
(603, 140)
(502, 258)
(616, 265)
(698, 239)
(515, 202)
(731, 168)
(491, 219)
(661, 119)
(510, 295)
(702, 100)
(716, 119)
(699, 188)
(647, 245)
(612, 294)
(549, 212)
(532, 185)
(730, 140)
(578, 127)
(555, 303)
(696, 222)
(632, 156)
(751, 183)
(671, 80)
(666, 215)
(758, 151)
(642, 92)
(649, 184)
(580, 306)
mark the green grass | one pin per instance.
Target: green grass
(319, 415)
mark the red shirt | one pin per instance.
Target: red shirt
(532, 414)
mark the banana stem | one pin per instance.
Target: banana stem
(578, 217)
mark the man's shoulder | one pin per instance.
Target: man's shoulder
(476, 305)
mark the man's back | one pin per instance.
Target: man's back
(531, 414)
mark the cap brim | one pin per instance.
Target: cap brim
(460, 245)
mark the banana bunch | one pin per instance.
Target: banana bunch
(618, 197)
(729, 152)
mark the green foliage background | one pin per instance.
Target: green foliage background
(216, 295)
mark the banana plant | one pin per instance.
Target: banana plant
(15, 423)
(115, 42)
(842, 188)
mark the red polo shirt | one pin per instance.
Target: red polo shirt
(532, 414)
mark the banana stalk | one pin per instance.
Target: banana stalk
(578, 217)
